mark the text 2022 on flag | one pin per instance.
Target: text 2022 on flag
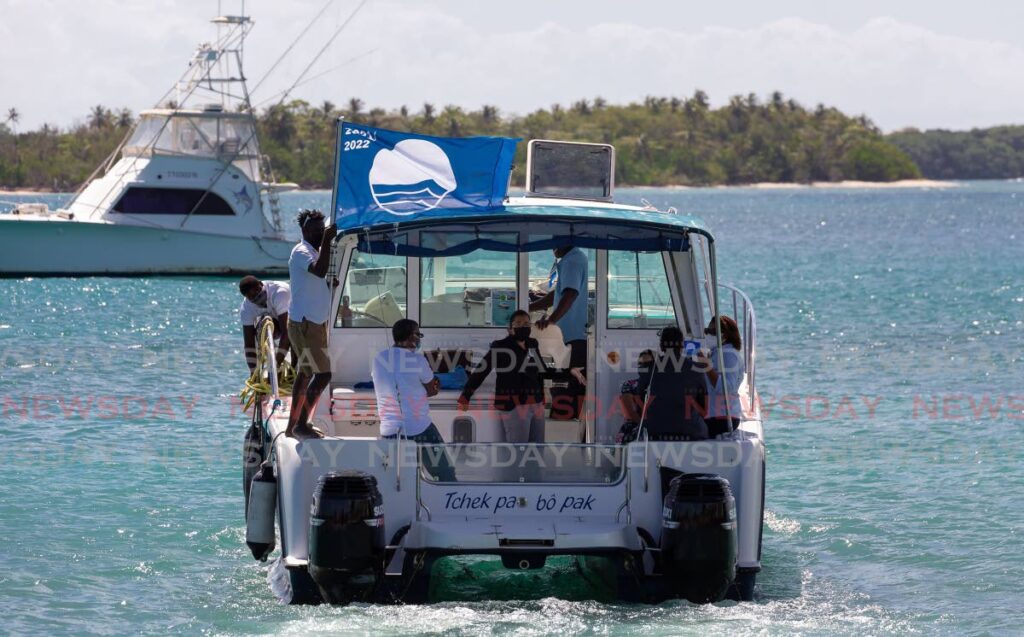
(386, 176)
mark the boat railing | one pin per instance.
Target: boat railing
(742, 311)
(266, 333)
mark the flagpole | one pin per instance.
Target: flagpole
(334, 267)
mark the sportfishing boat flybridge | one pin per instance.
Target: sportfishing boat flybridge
(183, 193)
(365, 519)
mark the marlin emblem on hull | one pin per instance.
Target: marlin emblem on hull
(242, 198)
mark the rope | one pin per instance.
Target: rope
(258, 384)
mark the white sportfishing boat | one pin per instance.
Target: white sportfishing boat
(361, 518)
(183, 193)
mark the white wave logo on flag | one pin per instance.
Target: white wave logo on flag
(414, 177)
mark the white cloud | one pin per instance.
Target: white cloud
(71, 55)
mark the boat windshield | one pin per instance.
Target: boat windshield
(553, 463)
(472, 290)
(226, 136)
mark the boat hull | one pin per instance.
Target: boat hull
(615, 525)
(47, 247)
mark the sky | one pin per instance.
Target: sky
(928, 64)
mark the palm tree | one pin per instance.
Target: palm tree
(280, 124)
(655, 104)
(99, 117)
(454, 115)
(13, 116)
(355, 106)
(327, 108)
(701, 99)
(124, 118)
(428, 112)
(376, 116)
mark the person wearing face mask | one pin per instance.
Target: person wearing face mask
(263, 298)
(720, 418)
(519, 385)
(402, 382)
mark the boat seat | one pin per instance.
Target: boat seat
(384, 308)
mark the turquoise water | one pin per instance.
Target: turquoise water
(896, 504)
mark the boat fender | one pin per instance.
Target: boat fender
(252, 458)
(259, 523)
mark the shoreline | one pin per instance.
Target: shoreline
(849, 183)
(25, 192)
(765, 185)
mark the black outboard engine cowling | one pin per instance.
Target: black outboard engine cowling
(698, 537)
(346, 536)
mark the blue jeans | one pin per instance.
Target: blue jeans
(523, 423)
(441, 471)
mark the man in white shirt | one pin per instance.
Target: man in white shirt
(270, 298)
(403, 382)
(308, 314)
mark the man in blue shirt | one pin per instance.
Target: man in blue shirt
(569, 299)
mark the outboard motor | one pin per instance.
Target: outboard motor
(346, 536)
(698, 537)
(259, 518)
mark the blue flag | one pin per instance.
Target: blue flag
(385, 176)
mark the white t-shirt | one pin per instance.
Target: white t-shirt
(279, 295)
(311, 296)
(398, 377)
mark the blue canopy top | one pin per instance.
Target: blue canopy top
(525, 226)
(611, 214)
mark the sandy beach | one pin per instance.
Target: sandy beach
(903, 183)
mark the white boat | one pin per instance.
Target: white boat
(183, 193)
(367, 519)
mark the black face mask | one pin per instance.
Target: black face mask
(522, 333)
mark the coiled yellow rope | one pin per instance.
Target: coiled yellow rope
(258, 384)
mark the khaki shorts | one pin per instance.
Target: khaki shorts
(309, 342)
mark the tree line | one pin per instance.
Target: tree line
(990, 153)
(659, 141)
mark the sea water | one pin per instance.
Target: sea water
(890, 370)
